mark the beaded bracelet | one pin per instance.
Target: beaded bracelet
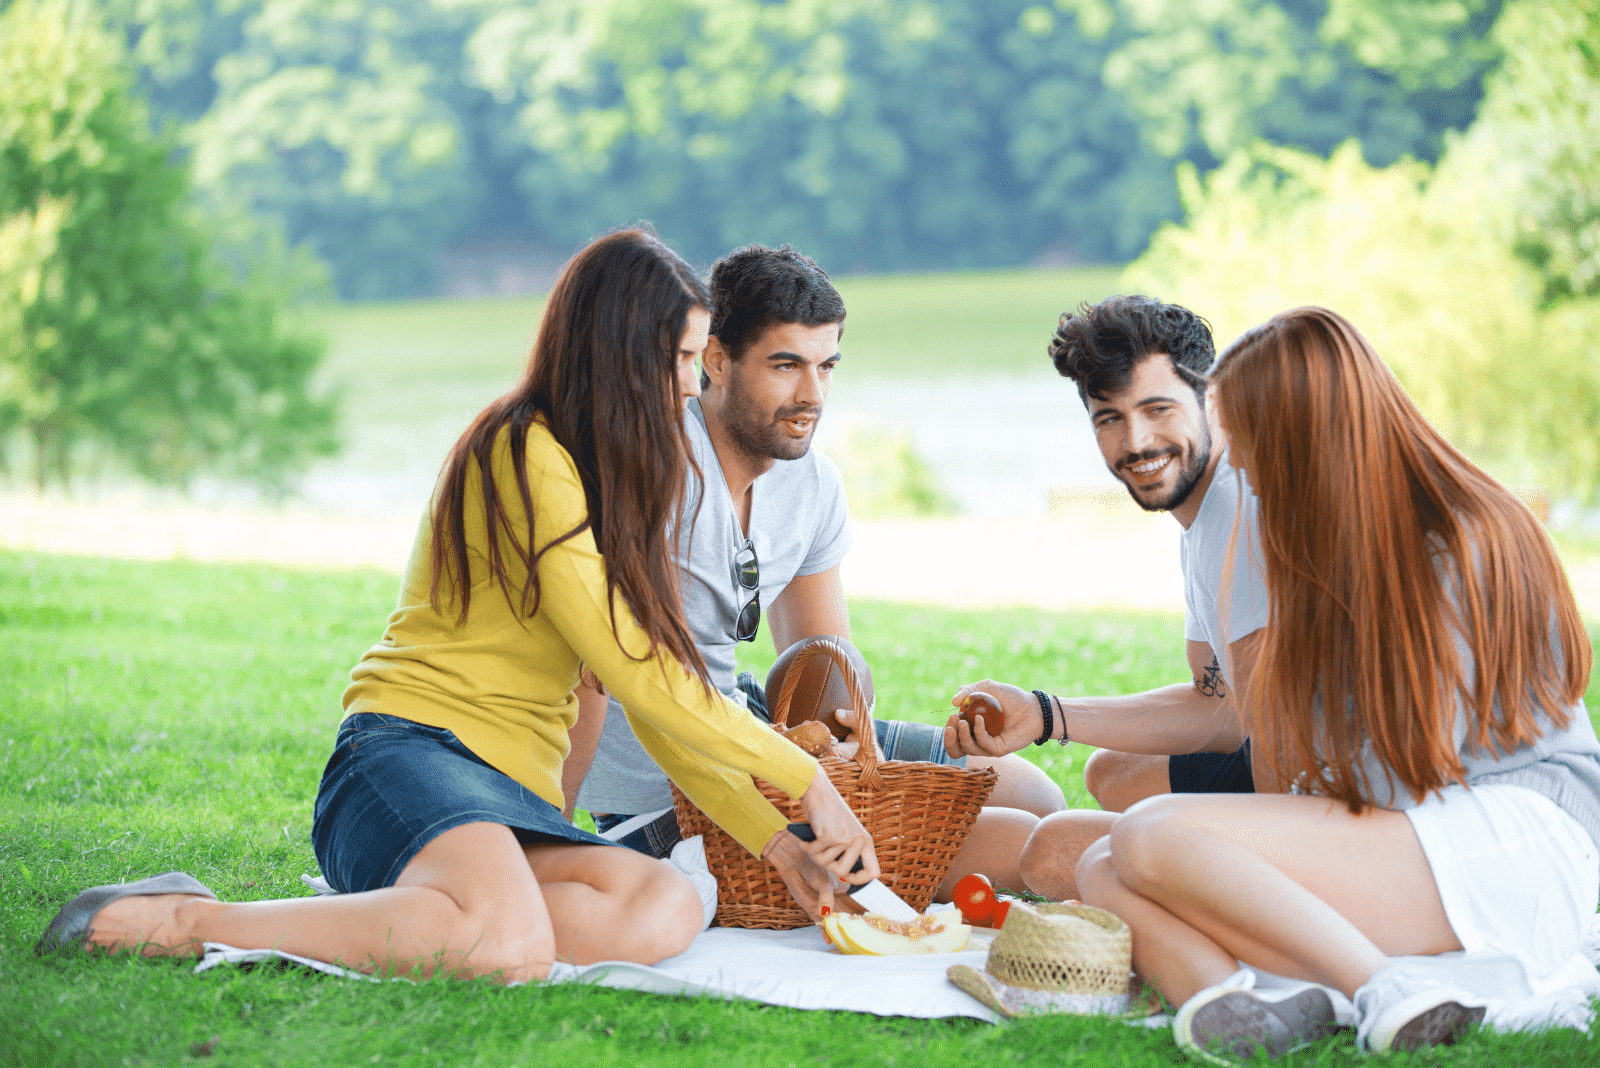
(1049, 717)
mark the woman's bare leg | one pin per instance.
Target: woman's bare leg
(466, 904)
(994, 848)
(469, 903)
(1022, 785)
(611, 903)
(1294, 885)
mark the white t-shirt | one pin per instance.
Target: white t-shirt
(799, 525)
(1203, 551)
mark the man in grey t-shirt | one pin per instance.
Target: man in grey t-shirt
(1140, 369)
(763, 534)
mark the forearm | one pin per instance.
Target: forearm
(1170, 720)
(584, 738)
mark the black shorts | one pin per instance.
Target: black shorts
(1212, 773)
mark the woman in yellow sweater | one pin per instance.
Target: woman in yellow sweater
(545, 553)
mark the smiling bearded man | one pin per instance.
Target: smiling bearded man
(1140, 367)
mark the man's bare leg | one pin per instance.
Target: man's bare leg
(1023, 785)
(1118, 781)
(994, 848)
(1050, 857)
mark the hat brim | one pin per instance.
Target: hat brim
(1015, 1001)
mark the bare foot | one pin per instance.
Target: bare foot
(156, 925)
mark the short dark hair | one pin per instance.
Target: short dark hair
(756, 287)
(1099, 345)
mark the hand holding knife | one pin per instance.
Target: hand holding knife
(872, 895)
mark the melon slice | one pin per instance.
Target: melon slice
(879, 936)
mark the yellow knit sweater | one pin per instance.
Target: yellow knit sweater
(504, 684)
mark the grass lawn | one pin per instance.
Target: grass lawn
(177, 715)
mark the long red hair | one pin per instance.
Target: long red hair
(1359, 495)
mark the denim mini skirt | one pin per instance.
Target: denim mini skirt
(392, 786)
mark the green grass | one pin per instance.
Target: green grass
(168, 715)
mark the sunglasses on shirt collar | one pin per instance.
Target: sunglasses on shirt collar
(747, 570)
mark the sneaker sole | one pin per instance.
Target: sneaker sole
(1230, 1027)
(1442, 1025)
(1432, 1018)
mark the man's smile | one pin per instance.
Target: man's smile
(1149, 472)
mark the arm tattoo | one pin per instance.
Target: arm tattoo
(1211, 683)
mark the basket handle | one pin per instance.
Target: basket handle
(866, 751)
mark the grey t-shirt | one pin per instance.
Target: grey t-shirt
(1203, 551)
(799, 525)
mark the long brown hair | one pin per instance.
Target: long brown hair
(1359, 494)
(603, 375)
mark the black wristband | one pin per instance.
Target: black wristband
(1049, 717)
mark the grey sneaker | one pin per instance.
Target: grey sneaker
(1408, 1006)
(1228, 1023)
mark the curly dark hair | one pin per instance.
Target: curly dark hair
(756, 287)
(1098, 345)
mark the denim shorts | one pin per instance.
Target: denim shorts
(1212, 773)
(392, 786)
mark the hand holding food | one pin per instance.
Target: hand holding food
(1020, 721)
(812, 737)
(846, 749)
(979, 705)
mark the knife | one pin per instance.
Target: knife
(872, 896)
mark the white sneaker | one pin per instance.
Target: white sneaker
(1229, 1023)
(1408, 1006)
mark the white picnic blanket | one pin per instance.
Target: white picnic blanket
(792, 968)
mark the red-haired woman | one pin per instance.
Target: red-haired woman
(546, 552)
(1418, 687)
(1417, 690)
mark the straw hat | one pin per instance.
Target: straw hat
(1054, 958)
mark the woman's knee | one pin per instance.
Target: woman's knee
(1148, 842)
(669, 916)
(1095, 875)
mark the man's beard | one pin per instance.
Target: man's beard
(758, 434)
(1188, 477)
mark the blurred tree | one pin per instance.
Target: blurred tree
(344, 121)
(875, 133)
(1211, 78)
(1537, 140)
(119, 329)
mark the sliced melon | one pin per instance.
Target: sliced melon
(880, 936)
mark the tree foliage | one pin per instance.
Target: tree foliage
(119, 328)
(875, 133)
(1539, 139)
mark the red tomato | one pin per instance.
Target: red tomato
(997, 919)
(974, 896)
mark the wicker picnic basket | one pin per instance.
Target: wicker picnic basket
(918, 814)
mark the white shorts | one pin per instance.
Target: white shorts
(1517, 874)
